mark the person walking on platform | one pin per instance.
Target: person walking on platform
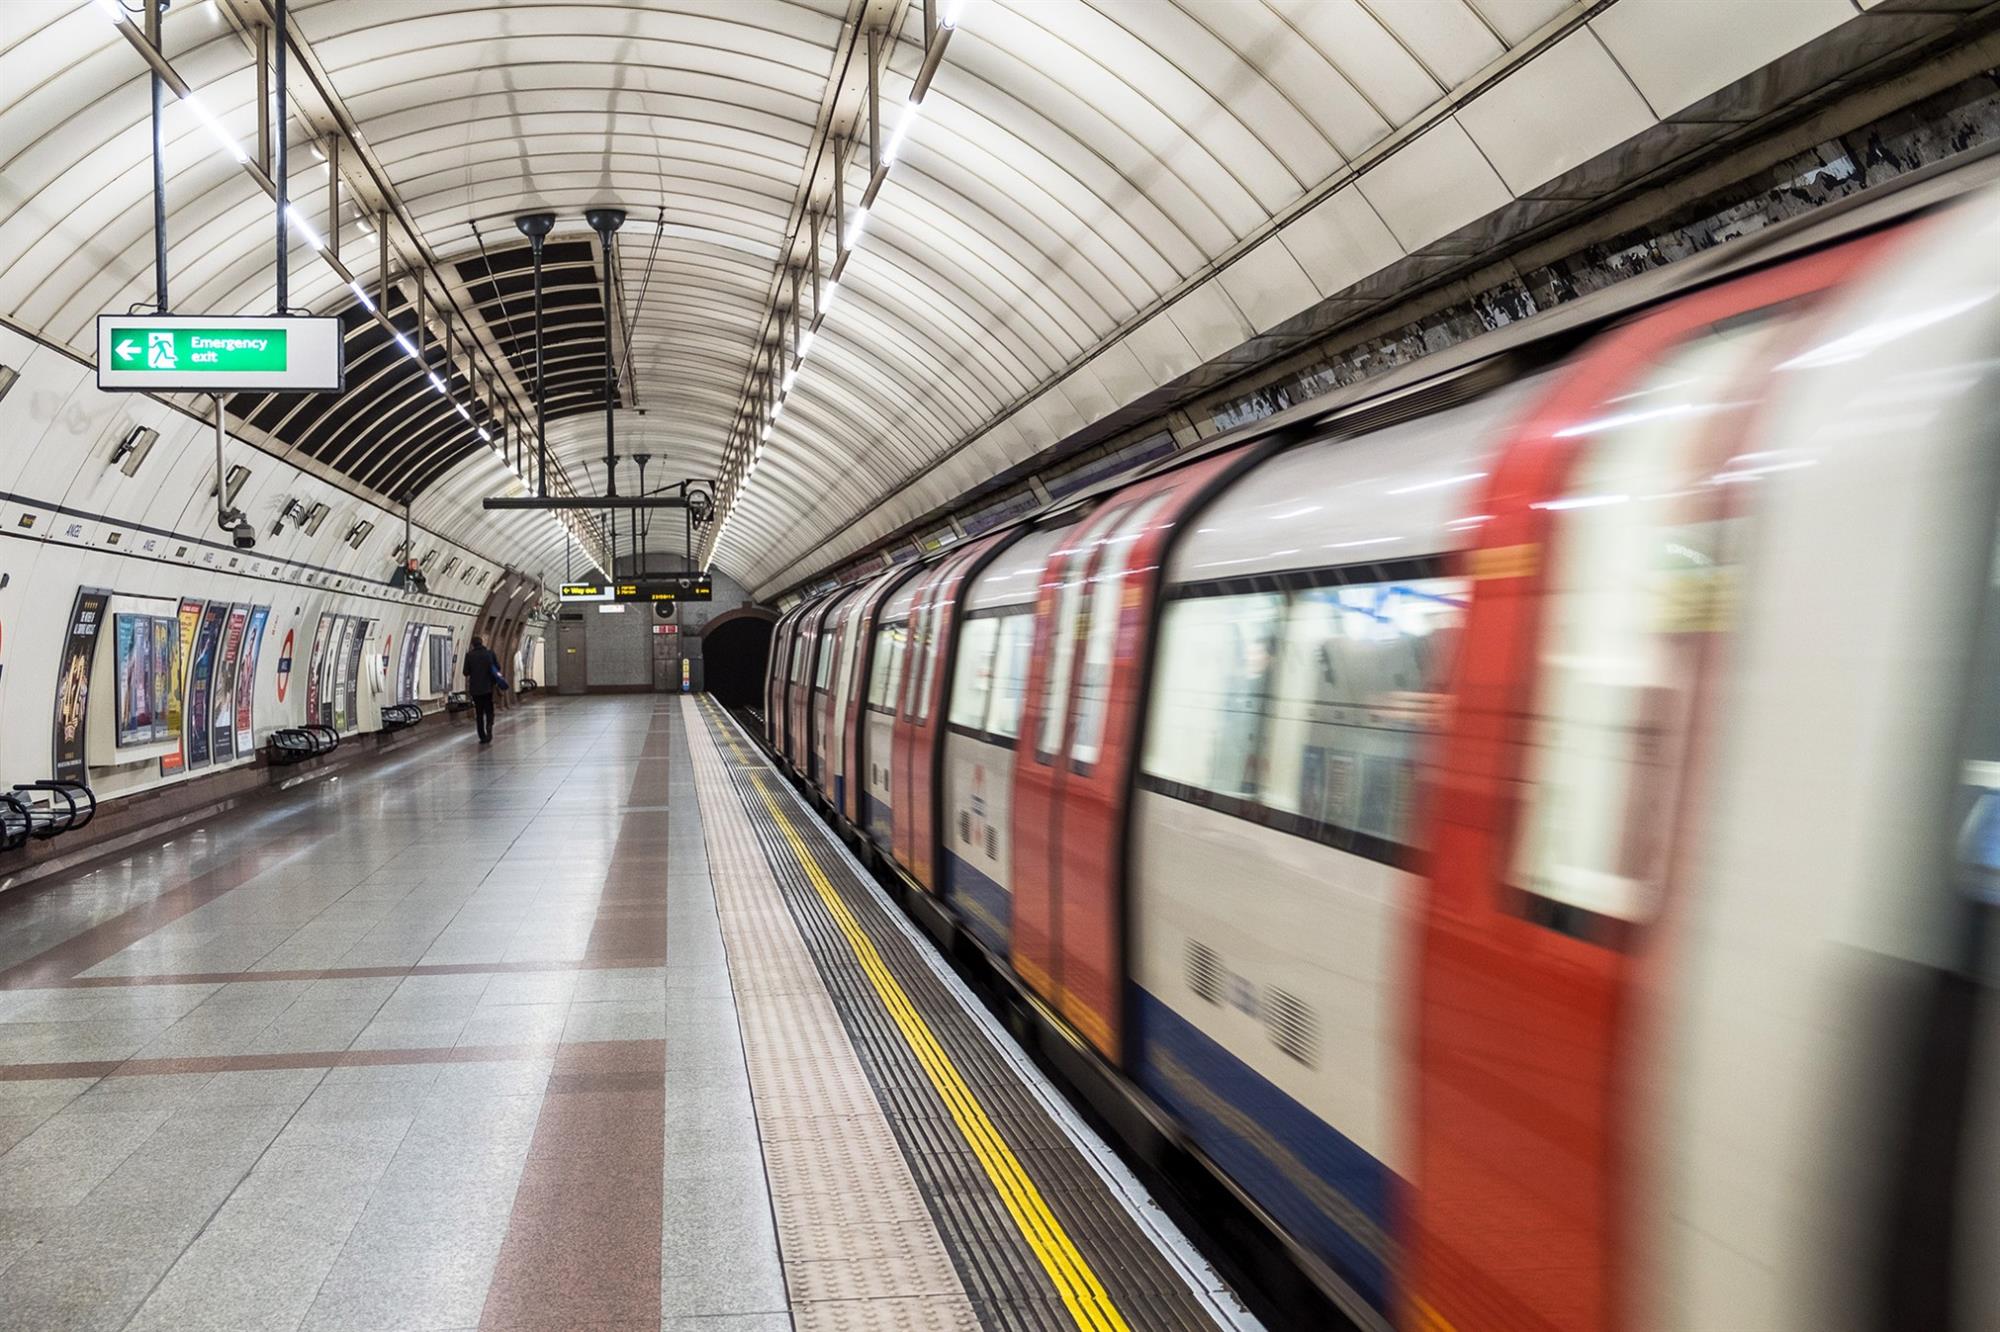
(482, 677)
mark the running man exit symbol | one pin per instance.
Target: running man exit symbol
(160, 351)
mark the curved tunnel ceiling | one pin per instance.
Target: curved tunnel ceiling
(1079, 172)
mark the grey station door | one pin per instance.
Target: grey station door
(572, 663)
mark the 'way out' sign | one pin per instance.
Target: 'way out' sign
(219, 354)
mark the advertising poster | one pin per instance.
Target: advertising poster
(333, 692)
(246, 681)
(132, 638)
(357, 644)
(440, 642)
(165, 632)
(285, 663)
(313, 664)
(222, 718)
(72, 701)
(187, 628)
(208, 639)
(413, 642)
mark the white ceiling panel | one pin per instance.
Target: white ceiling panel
(1680, 51)
(1434, 185)
(1099, 195)
(1527, 126)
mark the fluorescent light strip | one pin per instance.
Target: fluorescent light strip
(904, 123)
(362, 296)
(305, 228)
(214, 127)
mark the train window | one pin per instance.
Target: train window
(972, 681)
(1093, 687)
(824, 671)
(933, 649)
(1010, 675)
(887, 669)
(1360, 681)
(798, 658)
(1069, 605)
(1639, 576)
(1214, 666)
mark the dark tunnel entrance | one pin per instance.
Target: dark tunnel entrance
(734, 648)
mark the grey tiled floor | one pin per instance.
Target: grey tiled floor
(333, 1199)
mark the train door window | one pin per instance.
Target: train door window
(798, 657)
(1640, 574)
(1214, 666)
(1010, 675)
(933, 650)
(1069, 610)
(913, 652)
(1359, 687)
(824, 672)
(1107, 604)
(972, 682)
(887, 667)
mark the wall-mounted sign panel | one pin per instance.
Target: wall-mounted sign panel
(694, 587)
(220, 354)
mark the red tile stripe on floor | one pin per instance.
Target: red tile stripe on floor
(583, 1244)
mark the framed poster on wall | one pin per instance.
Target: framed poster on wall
(246, 680)
(222, 714)
(413, 643)
(166, 639)
(132, 689)
(208, 640)
(313, 664)
(72, 700)
(187, 625)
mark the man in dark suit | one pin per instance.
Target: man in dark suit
(482, 677)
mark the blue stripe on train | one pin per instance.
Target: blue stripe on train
(840, 793)
(988, 908)
(1326, 1192)
(876, 815)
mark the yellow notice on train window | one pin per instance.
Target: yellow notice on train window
(1505, 561)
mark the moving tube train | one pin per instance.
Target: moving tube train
(1531, 822)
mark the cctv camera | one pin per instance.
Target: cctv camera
(244, 535)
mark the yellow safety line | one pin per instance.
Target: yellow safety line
(1082, 1293)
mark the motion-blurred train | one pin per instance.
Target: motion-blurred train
(1531, 822)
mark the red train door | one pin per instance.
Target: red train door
(1077, 775)
(856, 729)
(919, 668)
(1546, 891)
(933, 620)
(826, 681)
(799, 741)
(774, 681)
(1037, 800)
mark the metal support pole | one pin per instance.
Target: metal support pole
(874, 102)
(264, 99)
(333, 196)
(282, 176)
(153, 8)
(536, 227)
(605, 222)
(382, 257)
(221, 473)
(815, 225)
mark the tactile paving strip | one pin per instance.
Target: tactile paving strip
(855, 1239)
(1007, 1282)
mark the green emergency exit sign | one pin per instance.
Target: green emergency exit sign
(220, 353)
(198, 350)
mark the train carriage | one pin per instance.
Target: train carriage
(983, 726)
(1530, 828)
